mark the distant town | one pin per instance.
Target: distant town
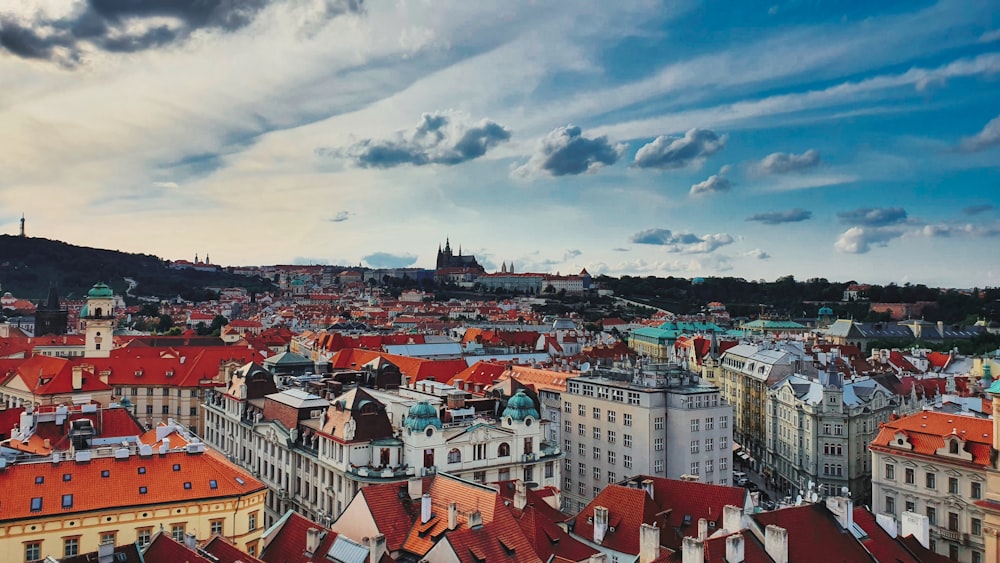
(455, 414)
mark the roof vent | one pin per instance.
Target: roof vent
(83, 456)
(121, 453)
(195, 448)
(145, 450)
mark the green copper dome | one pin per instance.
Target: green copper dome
(421, 416)
(100, 289)
(520, 407)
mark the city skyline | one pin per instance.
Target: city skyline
(689, 139)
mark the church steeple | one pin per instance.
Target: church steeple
(22, 224)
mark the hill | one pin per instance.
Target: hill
(29, 265)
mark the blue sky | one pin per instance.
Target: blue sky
(818, 139)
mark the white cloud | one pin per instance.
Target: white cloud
(988, 137)
(716, 183)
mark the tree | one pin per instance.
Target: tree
(165, 324)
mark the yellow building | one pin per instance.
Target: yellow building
(66, 505)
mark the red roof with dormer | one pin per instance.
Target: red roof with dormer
(927, 431)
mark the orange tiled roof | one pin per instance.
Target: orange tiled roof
(927, 430)
(107, 482)
(445, 489)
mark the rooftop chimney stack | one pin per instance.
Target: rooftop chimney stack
(77, 378)
(476, 519)
(649, 543)
(520, 495)
(452, 515)
(647, 484)
(843, 509)
(600, 524)
(106, 553)
(598, 558)
(732, 518)
(918, 526)
(414, 487)
(692, 551)
(776, 543)
(425, 508)
(191, 541)
(312, 539)
(702, 529)
(734, 549)
(376, 548)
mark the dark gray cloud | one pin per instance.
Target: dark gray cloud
(340, 217)
(125, 26)
(977, 209)
(784, 216)
(988, 137)
(688, 243)
(670, 153)
(445, 137)
(566, 152)
(387, 260)
(873, 216)
(715, 183)
(783, 162)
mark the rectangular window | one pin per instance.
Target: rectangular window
(977, 527)
(581, 449)
(953, 521)
(890, 505)
(910, 507)
(627, 461)
(709, 423)
(177, 532)
(627, 420)
(627, 440)
(36, 504)
(931, 480)
(142, 536)
(71, 547)
(611, 457)
(149, 392)
(597, 413)
(909, 476)
(658, 423)
(709, 446)
(597, 473)
(479, 476)
(567, 427)
(723, 464)
(658, 466)
(694, 446)
(568, 445)
(724, 421)
(581, 488)
(550, 469)
(165, 409)
(932, 515)
(612, 416)
(597, 433)
(977, 490)
(658, 444)
(581, 410)
(695, 470)
(709, 466)
(109, 538)
(581, 429)
(67, 501)
(695, 423)
(611, 436)
(33, 551)
(890, 472)
(723, 443)
(568, 407)
(581, 469)
(597, 452)
(611, 476)
(953, 485)
(217, 527)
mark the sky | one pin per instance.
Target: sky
(842, 140)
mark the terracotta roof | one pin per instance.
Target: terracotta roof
(753, 551)
(813, 530)
(121, 487)
(926, 431)
(163, 548)
(547, 539)
(628, 509)
(393, 515)
(225, 552)
(444, 489)
(879, 543)
(288, 541)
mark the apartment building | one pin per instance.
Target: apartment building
(938, 464)
(818, 431)
(623, 422)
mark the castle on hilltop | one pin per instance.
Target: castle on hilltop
(455, 267)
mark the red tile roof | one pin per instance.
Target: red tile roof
(879, 543)
(546, 538)
(288, 541)
(225, 552)
(164, 549)
(753, 551)
(628, 509)
(927, 430)
(812, 530)
(92, 491)
(393, 516)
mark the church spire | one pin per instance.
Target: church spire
(22, 224)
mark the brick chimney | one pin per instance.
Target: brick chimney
(918, 526)
(452, 515)
(734, 549)
(600, 524)
(776, 543)
(692, 551)
(649, 543)
(376, 547)
(732, 518)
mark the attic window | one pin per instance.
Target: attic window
(187, 484)
(213, 484)
(67, 501)
(507, 546)
(67, 476)
(177, 467)
(143, 490)
(36, 504)
(39, 480)
(105, 474)
(953, 447)
(241, 481)
(142, 470)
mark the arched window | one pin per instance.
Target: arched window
(954, 446)
(97, 312)
(504, 450)
(454, 456)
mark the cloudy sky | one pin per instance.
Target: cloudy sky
(817, 139)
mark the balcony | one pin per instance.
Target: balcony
(950, 535)
(372, 474)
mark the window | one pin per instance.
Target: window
(932, 515)
(597, 413)
(709, 446)
(709, 423)
(213, 484)
(611, 436)
(597, 433)
(252, 521)
(611, 457)
(581, 469)
(723, 443)
(953, 521)
(177, 532)
(977, 557)
(723, 465)
(695, 423)
(724, 421)
(67, 501)
(633, 398)
(953, 552)
(216, 527)
(568, 407)
(910, 507)
(694, 446)
(141, 470)
(149, 409)
(658, 423)
(567, 427)
(550, 469)
(529, 445)
(931, 480)
(71, 547)
(658, 466)
(612, 416)
(165, 409)
(627, 461)
(33, 551)
(695, 470)
(149, 392)
(953, 485)
(581, 429)
(890, 505)
(568, 445)
(503, 450)
(597, 452)
(977, 527)
(67, 477)
(611, 476)
(455, 455)
(36, 504)
(581, 449)
(658, 444)
(143, 490)
(890, 472)
(977, 490)
(581, 410)
(908, 476)
(627, 440)
(529, 473)
(142, 536)
(479, 476)
(193, 411)
(39, 480)
(597, 473)
(581, 488)
(627, 419)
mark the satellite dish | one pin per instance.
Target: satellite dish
(585, 367)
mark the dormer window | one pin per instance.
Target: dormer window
(953, 447)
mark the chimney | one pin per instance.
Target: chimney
(376, 548)
(425, 508)
(647, 484)
(776, 543)
(313, 536)
(940, 328)
(734, 549)
(918, 526)
(106, 553)
(414, 487)
(600, 523)
(165, 446)
(452, 515)
(476, 520)
(843, 509)
(649, 543)
(702, 529)
(732, 518)
(598, 558)
(103, 376)
(520, 495)
(693, 551)
(77, 378)
(191, 541)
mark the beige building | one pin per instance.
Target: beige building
(937, 464)
(657, 419)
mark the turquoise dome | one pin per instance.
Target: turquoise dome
(100, 289)
(826, 312)
(421, 416)
(520, 407)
